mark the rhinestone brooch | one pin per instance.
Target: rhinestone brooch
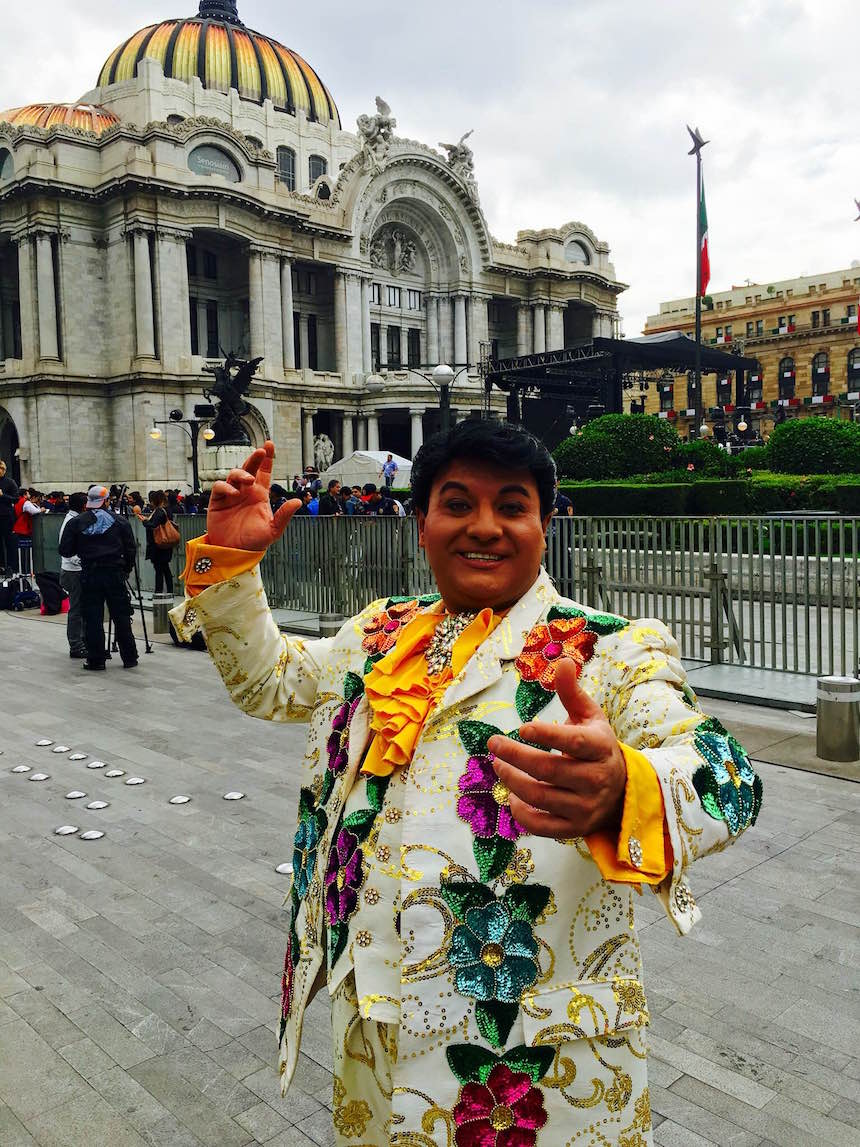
(203, 565)
(634, 847)
(441, 648)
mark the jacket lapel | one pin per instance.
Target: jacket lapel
(503, 645)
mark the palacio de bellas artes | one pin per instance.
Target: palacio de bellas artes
(204, 197)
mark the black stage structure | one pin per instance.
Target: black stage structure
(548, 391)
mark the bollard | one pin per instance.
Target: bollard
(330, 624)
(837, 733)
(162, 603)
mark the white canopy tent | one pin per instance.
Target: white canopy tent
(364, 466)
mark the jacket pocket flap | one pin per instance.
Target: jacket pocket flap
(583, 1009)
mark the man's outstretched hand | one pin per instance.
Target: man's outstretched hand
(575, 791)
(240, 513)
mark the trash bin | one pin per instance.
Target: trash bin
(162, 603)
(838, 724)
(330, 624)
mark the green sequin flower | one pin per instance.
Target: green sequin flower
(728, 786)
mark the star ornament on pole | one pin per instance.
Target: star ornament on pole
(698, 142)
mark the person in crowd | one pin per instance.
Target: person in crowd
(389, 471)
(299, 484)
(314, 504)
(352, 502)
(371, 500)
(304, 500)
(491, 774)
(387, 506)
(105, 544)
(8, 498)
(135, 498)
(562, 507)
(70, 580)
(278, 496)
(330, 505)
(157, 514)
(174, 503)
(28, 506)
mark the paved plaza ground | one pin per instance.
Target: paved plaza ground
(140, 973)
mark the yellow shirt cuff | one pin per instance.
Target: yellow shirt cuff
(640, 853)
(207, 565)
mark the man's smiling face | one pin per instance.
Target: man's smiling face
(483, 534)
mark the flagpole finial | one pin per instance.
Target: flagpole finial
(698, 142)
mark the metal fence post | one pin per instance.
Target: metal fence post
(717, 578)
(592, 571)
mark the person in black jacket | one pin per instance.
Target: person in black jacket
(105, 544)
(8, 498)
(158, 513)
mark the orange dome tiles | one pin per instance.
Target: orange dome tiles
(224, 55)
(87, 117)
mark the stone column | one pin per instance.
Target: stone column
(29, 351)
(347, 433)
(362, 434)
(524, 329)
(340, 332)
(354, 326)
(460, 349)
(539, 342)
(556, 328)
(308, 436)
(173, 298)
(255, 304)
(46, 297)
(143, 296)
(404, 346)
(273, 330)
(417, 429)
(383, 345)
(289, 341)
(446, 336)
(479, 327)
(433, 353)
(304, 342)
(373, 431)
(202, 335)
(366, 355)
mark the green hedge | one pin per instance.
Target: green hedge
(815, 446)
(719, 496)
(623, 499)
(617, 446)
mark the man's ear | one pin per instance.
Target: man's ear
(422, 519)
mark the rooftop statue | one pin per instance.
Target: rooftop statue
(461, 160)
(232, 382)
(377, 132)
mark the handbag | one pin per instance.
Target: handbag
(166, 536)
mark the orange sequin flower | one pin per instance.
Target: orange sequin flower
(382, 629)
(547, 645)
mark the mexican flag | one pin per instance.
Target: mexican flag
(704, 259)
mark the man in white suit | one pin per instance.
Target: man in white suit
(490, 773)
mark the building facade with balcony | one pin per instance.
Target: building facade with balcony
(204, 197)
(803, 333)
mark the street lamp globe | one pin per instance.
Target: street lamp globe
(443, 375)
(208, 434)
(155, 433)
(705, 430)
(742, 425)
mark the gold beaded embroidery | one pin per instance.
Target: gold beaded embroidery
(363, 938)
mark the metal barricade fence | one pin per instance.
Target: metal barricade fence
(764, 592)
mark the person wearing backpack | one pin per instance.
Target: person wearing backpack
(160, 535)
(70, 580)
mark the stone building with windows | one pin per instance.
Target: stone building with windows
(204, 197)
(802, 332)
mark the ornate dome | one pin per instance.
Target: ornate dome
(216, 47)
(89, 117)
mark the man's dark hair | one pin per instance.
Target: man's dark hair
(77, 502)
(334, 482)
(368, 488)
(482, 440)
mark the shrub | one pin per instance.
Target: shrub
(847, 497)
(771, 493)
(815, 446)
(623, 499)
(753, 458)
(719, 496)
(706, 456)
(618, 446)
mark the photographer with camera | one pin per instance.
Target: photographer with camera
(105, 544)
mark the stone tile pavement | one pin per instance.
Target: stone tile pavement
(140, 973)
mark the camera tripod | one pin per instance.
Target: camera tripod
(111, 646)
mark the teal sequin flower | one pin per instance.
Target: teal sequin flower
(312, 824)
(729, 788)
(493, 955)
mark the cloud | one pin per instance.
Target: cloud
(579, 109)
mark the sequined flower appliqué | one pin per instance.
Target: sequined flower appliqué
(382, 629)
(312, 824)
(506, 1111)
(493, 952)
(729, 788)
(343, 877)
(484, 803)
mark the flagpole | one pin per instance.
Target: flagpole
(696, 149)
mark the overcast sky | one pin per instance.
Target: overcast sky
(578, 107)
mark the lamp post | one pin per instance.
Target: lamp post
(441, 378)
(696, 149)
(191, 427)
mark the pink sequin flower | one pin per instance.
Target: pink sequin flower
(484, 803)
(506, 1111)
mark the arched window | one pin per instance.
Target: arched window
(755, 377)
(821, 373)
(786, 378)
(287, 168)
(317, 166)
(854, 368)
(7, 167)
(576, 253)
(209, 160)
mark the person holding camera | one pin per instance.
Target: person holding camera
(105, 544)
(157, 552)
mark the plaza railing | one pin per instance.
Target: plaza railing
(778, 592)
